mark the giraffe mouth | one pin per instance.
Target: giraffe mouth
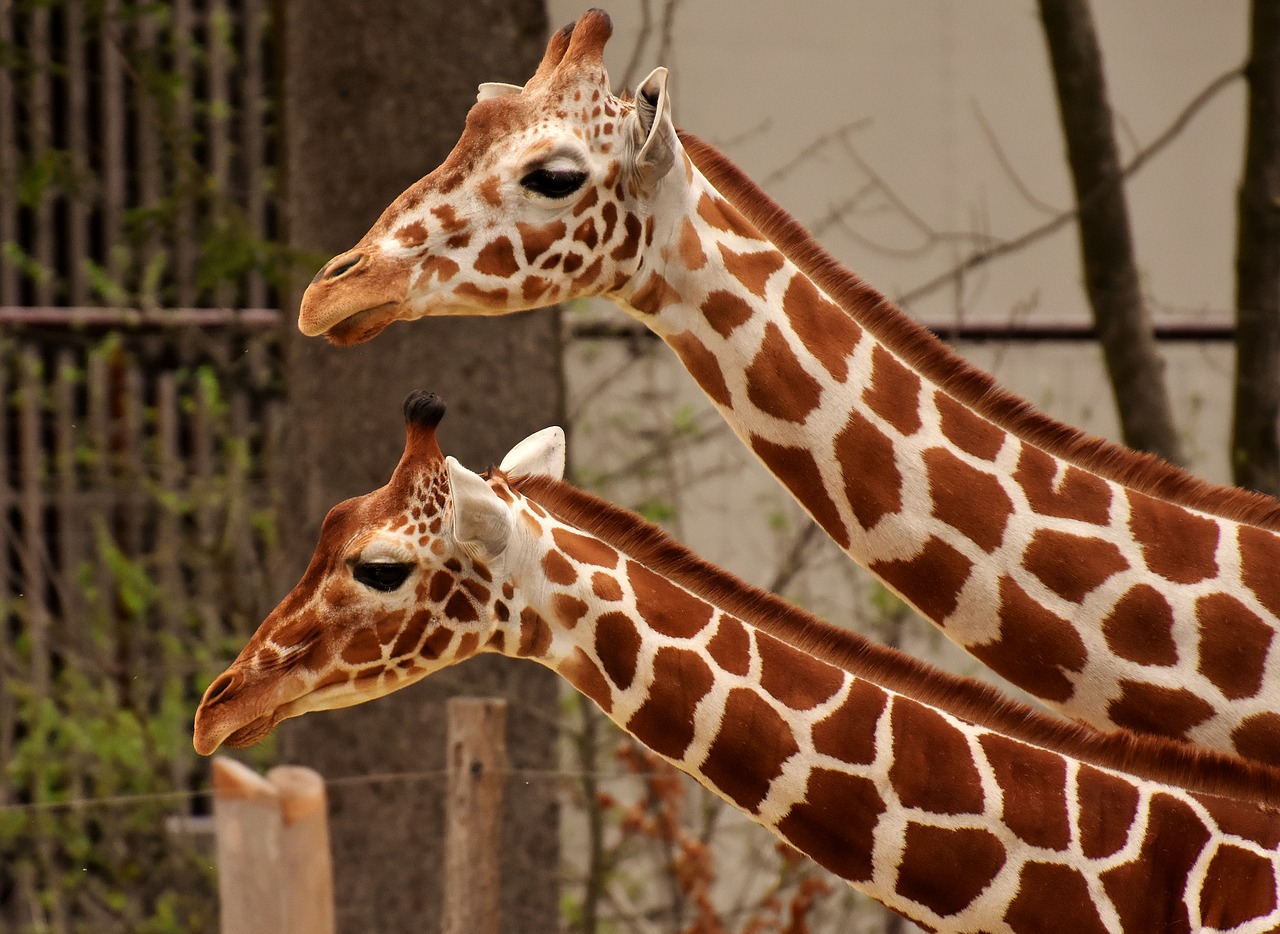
(253, 732)
(362, 326)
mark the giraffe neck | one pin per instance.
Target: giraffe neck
(954, 808)
(1119, 596)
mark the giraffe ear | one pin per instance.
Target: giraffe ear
(480, 519)
(490, 89)
(655, 129)
(542, 453)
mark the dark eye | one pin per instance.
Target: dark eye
(381, 575)
(554, 183)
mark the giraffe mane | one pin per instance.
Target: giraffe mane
(1162, 760)
(969, 385)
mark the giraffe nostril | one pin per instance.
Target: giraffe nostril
(339, 266)
(220, 686)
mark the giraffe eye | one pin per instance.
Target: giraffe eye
(383, 576)
(554, 183)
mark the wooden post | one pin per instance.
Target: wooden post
(476, 754)
(275, 874)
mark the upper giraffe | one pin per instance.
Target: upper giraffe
(1118, 590)
(931, 793)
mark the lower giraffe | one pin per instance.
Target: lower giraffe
(933, 794)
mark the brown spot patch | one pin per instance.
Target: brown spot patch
(441, 267)
(569, 610)
(448, 218)
(691, 253)
(1072, 566)
(498, 259)
(605, 587)
(747, 755)
(630, 244)
(586, 202)
(412, 235)
(440, 587)
(618, 648)
(945, 870)
(722, 215)
(702, 366)
(752, 269)
(1108, 806)
(797, 679)
(666, 608)
(931, 581)
(1258, 737)
(835, 823)
(725, 311)
(824, 328)
(933, 767)
(557, 569)
(1244, 819)
(969, 500)
(894, 393)
(537, 239)
(1051, 891)
(585, 233)
(655, 295)
(1239, 886)
(796, 468)
(608, 214)
(585, 549)
(777, 382)
(491, 191)
(481, 296)
(1073, 494)
(1259, 558)
(1150, 708)
(580, 671)
(1140, 627)
(1147, 892)
(968, 430)
(872, 482)
(1176, 544)
(1033, 784)
(460, 608)
(535, 635)
(1035, 647)
(730, 647)
(848, 733)
(1234, 642)
(664, 721)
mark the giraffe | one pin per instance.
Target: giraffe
(1118, 590)
(953, 806)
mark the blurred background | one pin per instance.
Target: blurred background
(172, 173)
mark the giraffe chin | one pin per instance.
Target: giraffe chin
(362, 326)
(253, 732)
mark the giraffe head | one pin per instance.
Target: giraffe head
(547, 196)
(402, 584)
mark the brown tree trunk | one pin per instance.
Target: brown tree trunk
(375, 96)
(1255, 449)
(1120, 315)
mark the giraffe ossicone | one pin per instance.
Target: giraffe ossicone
(931, 793)
(1118, 590)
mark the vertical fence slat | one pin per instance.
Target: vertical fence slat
(76, 81)
(8, 162)
(44, 237)
(253, 153)
(184, 40)
(112, 106)
(69, 512)
(275, 873)
(476, 759)
(8, 580)
(218, 125)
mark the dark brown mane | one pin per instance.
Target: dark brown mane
(966, 383)
(1160, 760)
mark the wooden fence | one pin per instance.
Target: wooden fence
(275, 875)
(136, 542)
